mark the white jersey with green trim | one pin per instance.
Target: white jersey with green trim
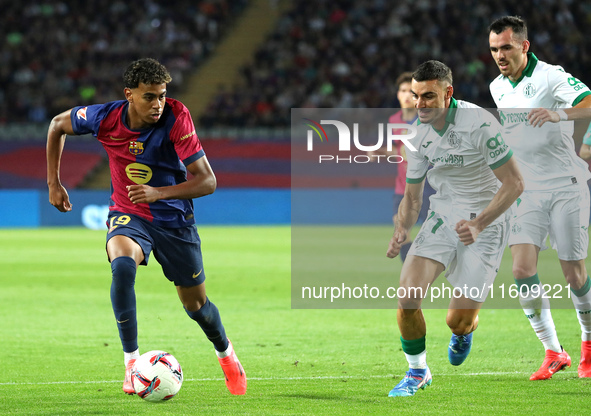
(462, 155)
(546, 155)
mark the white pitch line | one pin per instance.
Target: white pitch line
(492, 373)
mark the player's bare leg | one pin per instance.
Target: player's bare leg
(462, 319)
(417, 274)
(206, 314)
(576, 276)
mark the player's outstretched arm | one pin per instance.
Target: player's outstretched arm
(202, 183)
(408, 213)
(538, 116)
(512, 186)
(60, 126)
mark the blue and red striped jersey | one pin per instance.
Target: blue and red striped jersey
(155, 156)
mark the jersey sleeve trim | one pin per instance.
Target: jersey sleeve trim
(193, 158)
(580, 97)
(501, 162)
(418, 180)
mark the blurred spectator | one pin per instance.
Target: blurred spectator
(59, 53)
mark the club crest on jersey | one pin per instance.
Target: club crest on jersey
(136, 148)
(81, 113)
(454, 140)
(529, 90)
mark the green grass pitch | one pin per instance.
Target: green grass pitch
(61, 354)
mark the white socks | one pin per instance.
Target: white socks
(582, 300)
(222, 354)
(418, 360)
(131, 356)
(537, 310)
(541, 321)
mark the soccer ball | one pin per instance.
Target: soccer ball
(156, 376)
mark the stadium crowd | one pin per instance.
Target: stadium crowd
(348, 53)
(324, 53)
(60, 53)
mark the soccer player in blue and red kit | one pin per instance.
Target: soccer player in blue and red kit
(151, 143)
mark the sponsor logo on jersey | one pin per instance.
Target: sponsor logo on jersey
(576, 84)
(186, 136)
(136, 148)
(516, 229)
(449, 160)
(81, 113)
(513, 118)
(138, 173)
(454, 140)
(529, 90)
(496, 145)
(429, 142)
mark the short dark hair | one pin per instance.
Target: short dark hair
(516, 23)
(430, 70)
(404, 77)
(146, 70)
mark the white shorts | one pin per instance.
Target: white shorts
(472, 269)
(564, 215)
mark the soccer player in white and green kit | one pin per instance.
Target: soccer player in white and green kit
(556, 196)
(465, 232)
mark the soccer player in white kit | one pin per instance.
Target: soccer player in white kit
(465, 232)
(556, 197)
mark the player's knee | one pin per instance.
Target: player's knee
(123, 269)
(193, 299)
(522, 271)
(206, 312)
(576, 278)
(409, 303)
(193, 305)
(407, 313)
(460, 324)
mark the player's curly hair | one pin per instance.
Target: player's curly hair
(431, 70)
(516, 23)
(146, 70)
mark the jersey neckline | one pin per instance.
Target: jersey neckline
(532, 61)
